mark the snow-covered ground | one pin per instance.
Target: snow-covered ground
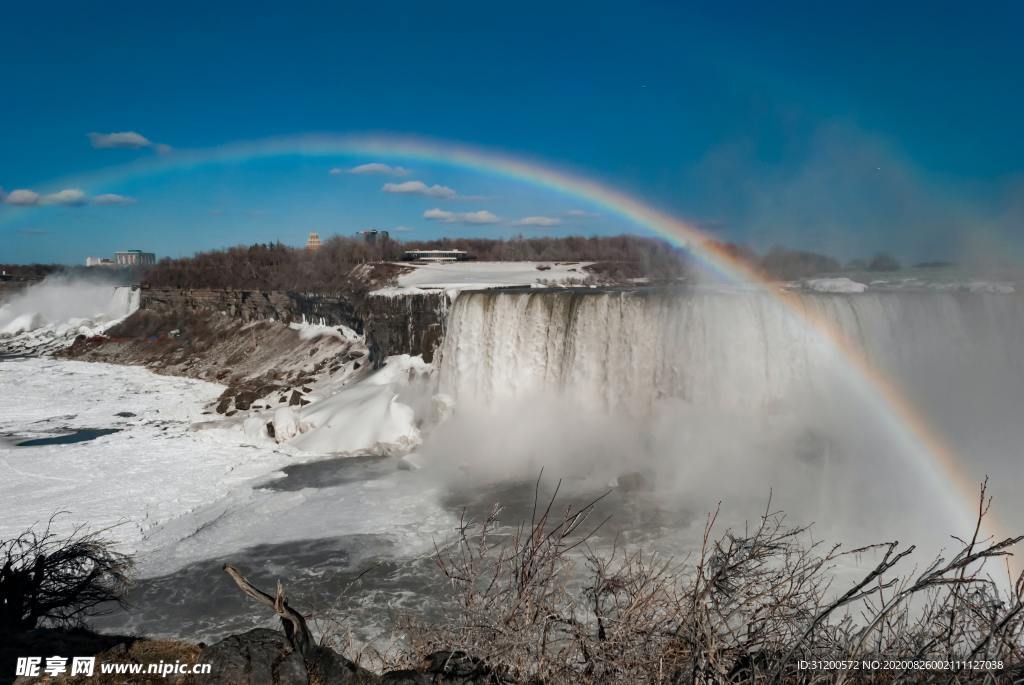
(175, 474)
(479, 275)
(157, 467)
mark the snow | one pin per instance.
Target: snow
(312, 331)
(365, 417)
(286, 424)
(156, 468)
(457, 276)
(835, 285)
(178, 483)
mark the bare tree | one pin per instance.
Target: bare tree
(56, 580)
(750, 606)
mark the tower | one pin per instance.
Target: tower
(313, 242)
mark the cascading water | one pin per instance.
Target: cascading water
(627, 350)
(731, 393)
(47, 316)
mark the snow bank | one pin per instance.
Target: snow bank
(457, 276)
(362, 418)
(835, 285)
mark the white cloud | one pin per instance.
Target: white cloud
(70, 197)
(374, 168)
(336, 171)
(113, 199)
(435, 214)
(130, 140)
(538, 221)
(446, 217)
(419, 188)
(581, 214)
(22, 197)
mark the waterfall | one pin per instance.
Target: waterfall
(628, 350)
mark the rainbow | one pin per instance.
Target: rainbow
(941, 468)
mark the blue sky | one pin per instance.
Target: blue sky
(845, 129)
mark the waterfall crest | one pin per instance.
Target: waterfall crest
(628, 350)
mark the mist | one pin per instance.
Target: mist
(846, 191)
(694, 401)
(64, 299)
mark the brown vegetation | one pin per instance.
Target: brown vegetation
(749, 608)
(330, 268)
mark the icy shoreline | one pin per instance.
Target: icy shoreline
(167, 463)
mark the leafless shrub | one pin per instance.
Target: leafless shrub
(58, 580)
(540, 605)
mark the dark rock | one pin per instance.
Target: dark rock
(295, 400)
(457, 668)
(406, 677)
(244, 399)
(258, 657)
(407, 324)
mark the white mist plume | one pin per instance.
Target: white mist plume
(68, 301)
(728, 397)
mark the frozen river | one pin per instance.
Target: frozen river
(186, 498)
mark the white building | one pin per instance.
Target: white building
(134, 258)
(436, 255)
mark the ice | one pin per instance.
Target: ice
(179, 484)
(366, 417)
(156, 468)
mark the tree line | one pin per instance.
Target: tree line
(275, 266)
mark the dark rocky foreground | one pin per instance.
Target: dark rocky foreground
(258, 657)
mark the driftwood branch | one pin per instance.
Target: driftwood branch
(295, 627)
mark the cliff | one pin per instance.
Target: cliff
(401, 324)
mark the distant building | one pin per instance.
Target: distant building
(436, 256)
(373, 235)
(313, 242)
(98, 261)
(134, 258)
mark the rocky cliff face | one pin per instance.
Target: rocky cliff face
(332, 309)
(393, 324)
(405, 324)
